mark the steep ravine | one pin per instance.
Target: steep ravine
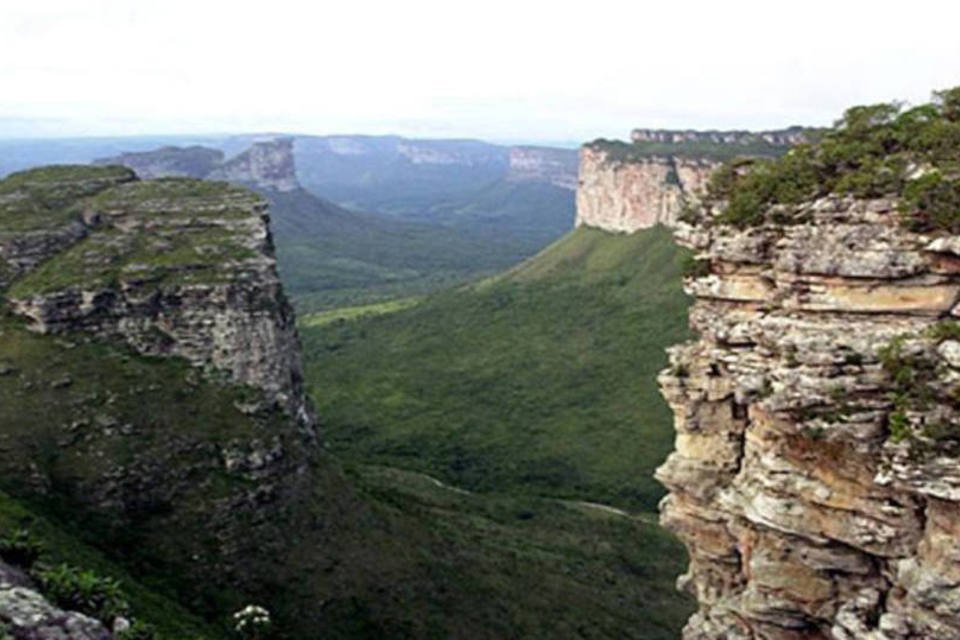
(817, 496)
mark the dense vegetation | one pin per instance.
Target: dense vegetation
(395, 557)
(331, 257)
(541, 381)
(619, 151)
(150, 486)
(882, 150)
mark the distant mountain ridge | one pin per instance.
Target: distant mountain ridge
(331, 255)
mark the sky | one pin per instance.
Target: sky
(517, 70)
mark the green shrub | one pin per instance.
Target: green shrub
(692, 267)
(20, 548)
(84, 591)
(871, 152)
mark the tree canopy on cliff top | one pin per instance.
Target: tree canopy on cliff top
(881, 150)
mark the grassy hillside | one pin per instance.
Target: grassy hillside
(540, 381)
(201, 498)
(330, 256)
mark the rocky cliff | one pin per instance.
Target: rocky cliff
(172, 267)
(266, 166)
(815, 479)
(625, 195)
(544, 164)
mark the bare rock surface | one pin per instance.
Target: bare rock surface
(816, 499)
(628, 196)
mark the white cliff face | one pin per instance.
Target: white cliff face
(815, 479)
(628, 196)
(265, 165)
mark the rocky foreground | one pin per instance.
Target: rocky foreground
(816, 477)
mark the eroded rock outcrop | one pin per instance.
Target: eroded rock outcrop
(627, 195)
(26, 615)
(171, 267)
(267, 165)
(815, 479)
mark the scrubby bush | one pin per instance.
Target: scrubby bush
(20, 548)
(872, 151)
(84, 591)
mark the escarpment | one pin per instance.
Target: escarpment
(151, 385)
(627, 195)
(171, 267)
(815, 479)
(267, 165)
(625, 187)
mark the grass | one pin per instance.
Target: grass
(540, 381)
(61, 544)
(507, 566)
(350, 313)
(202, 249)
(619, 151)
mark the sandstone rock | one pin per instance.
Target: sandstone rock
(803, 516)
(27, 615)
(627, 196)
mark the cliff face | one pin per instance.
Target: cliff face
(267, 165)
(815, 480)
(171, 267)
(543, 164)
(197, 464)
(626, 196)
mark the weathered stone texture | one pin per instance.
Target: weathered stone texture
(628, 196)
(803, 516)
(27, 615)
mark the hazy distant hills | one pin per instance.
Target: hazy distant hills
(399, 217)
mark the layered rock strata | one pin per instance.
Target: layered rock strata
(172, 267)
(626, 196)
(816, 477)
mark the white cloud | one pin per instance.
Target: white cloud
(496, 69)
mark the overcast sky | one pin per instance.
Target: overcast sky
(494, 69)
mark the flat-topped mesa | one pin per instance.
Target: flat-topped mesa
(169, 162)
(265, 165)
(625, 187)
(626, 195)
(172, 267)
(816, 476)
